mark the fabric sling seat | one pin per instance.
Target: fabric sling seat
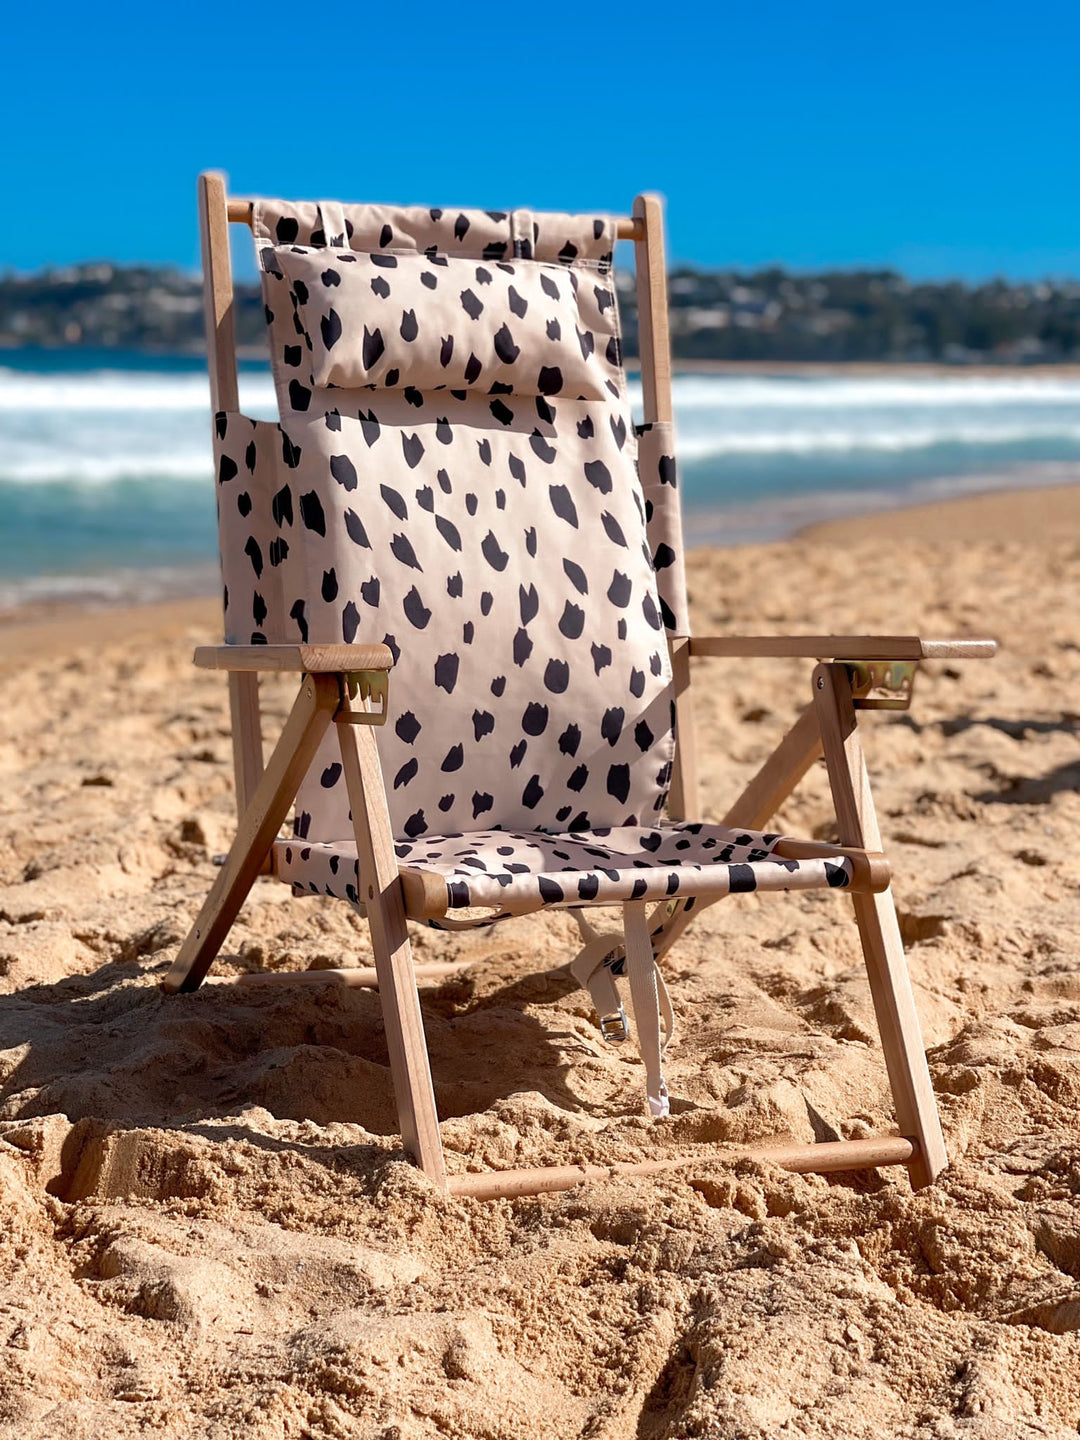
(459, 538)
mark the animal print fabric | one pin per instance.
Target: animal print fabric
(494, 540)
(389, 320)
(663, 519)
(527, 870)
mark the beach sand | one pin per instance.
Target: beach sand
(206, 1228)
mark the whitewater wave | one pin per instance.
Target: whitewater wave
(797, 392)
(123, 392)
(826, 442)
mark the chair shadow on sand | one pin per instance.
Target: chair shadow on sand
(112, 1053)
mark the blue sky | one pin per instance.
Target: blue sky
(939, 139)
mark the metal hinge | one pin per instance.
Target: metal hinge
(881, 684)
(369, 686)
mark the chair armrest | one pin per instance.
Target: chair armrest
(310, 659)
(841, 647)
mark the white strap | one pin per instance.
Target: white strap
(641, 968)
(332, 216)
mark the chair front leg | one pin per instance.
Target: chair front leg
(381, 895)
(263, 817)
(879, 929)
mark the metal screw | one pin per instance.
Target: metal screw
(821, 682)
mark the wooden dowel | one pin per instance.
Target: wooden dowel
(241, 211)
(824, 1159)
(360, 977)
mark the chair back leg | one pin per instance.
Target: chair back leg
(879, 930)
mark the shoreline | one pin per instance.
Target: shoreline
(1017, 515)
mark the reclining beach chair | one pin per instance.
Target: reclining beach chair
(472, 559)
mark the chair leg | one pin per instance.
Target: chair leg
(262, 819)
(381, 893)
(890, 983)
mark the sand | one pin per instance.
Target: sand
(207, 1229)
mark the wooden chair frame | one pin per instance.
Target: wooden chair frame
(331, 674)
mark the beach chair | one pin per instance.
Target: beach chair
(471, 558)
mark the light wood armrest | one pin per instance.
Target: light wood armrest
(311, 659)
(841, 647)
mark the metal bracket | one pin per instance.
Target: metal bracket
(369, 686)
(881, 684)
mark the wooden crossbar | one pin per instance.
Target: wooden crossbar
(241, 212)
(831, 1157)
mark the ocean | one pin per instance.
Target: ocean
(106, 487)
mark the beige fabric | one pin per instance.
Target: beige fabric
(663, 518)
(424, 321)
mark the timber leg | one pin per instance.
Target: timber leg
(879, 930)
(381, 895)
(262, 819)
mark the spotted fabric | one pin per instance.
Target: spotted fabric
(491, 535)
(524, 871)
(663, 520)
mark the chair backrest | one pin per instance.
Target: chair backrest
(455, 474)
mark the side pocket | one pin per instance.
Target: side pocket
(663, 519)
(254, 522)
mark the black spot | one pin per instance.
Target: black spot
(667, 614)
(413, 449)
(588, 887)
(612, 723)
(384, 262)
(370, 428)
(330, 775)
(446, 672)
(613, 529)
(329, 585)
(483, 723)
(517, 304)
(505, 348)
(299, 395)
(586, 341)
(297, 614)
(557, 676)
(279, 550)
(541, 448)
(534, 719)
(403, 551)
(573, 620)
(648, 609)
(444, 432)
(549, 380)
(407, 727)
(290, 453)
(517, 753)
(576, 576)
(243, 503)
(406, 773)
(495, 556)
(227, 470)
(330, 277)
(332, 420)
(455, 758)
(472, 369)
(570, 739)
(472, 305)
(554, 330)
(254, 554)
(618, 782)
(532, 794)
(836, 875)
(293, 356)
(311, 513)
(486, 602)
(409, 327)
(601, 657)
(446, 350)
(528, 603)
(522, 647)
(614, 351)
(637, 683)
(355, 529)
(620, 589)
(370, 590)
(416, 612)
(415, 825)
(380, 287)
(741, 879)
(618, 429)
(598, 474)
(481, 803)
(530, 541)
(350, 623)
(549, 287)
(578, 779)
(343, 471)
(563, 504)
(664, 557)
(666, 470)
(449, 531)
(258, 609)
(413, 396)
(550, 891)
(502, 412)
(330, 325)
(454, 586)
(373, 347)
(286, 230)
(483, 449)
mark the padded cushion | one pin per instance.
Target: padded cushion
(433, 322)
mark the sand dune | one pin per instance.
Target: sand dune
(207, 1230)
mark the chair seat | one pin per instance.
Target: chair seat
(527, 870)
